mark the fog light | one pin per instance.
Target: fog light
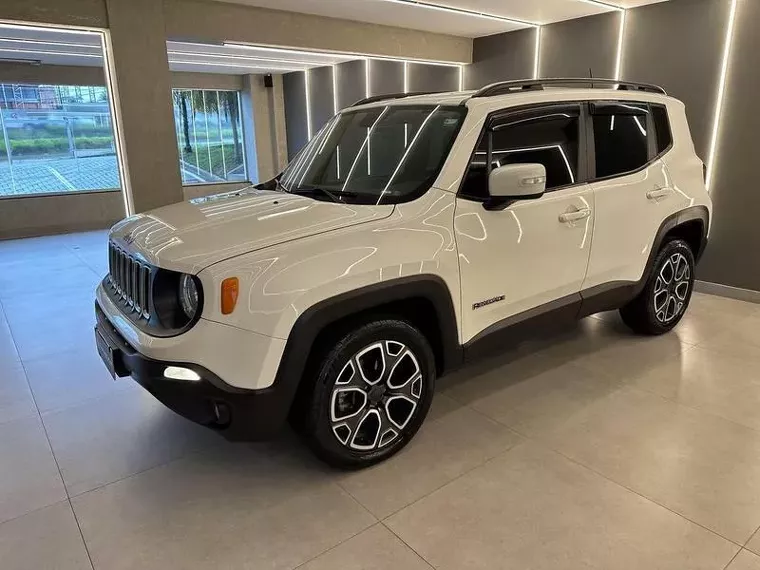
(178, 373)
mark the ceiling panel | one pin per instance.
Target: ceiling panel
(42, 46)
(534, 11)
(410, 14)
(394, 14)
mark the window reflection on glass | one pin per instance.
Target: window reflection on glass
(209, 136)
(55, 138)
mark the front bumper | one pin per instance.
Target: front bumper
(238, 414)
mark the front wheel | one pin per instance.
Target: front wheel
(371, 395)
(665, 298)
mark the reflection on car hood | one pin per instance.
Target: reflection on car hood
(190, 236)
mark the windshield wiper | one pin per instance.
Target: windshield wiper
(334, 196)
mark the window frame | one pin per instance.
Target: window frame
(656, 131)
(243, 134)
(510, 113)
(652, 155)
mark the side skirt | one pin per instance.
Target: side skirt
(541, 321)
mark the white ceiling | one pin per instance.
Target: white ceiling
(414, 15)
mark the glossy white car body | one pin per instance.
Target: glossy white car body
(291, 253)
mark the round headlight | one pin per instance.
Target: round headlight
(188, 295)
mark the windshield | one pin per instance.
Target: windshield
(380, 155)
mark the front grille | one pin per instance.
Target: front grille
(129, 279)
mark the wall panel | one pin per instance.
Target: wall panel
(321, 96)
(678, 45)
(294, 90)
(501, 57)
(424, 77)
(571, 48)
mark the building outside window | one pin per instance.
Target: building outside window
(55, 138)
(209, 136)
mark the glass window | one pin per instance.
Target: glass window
(620, 139)
(382, 154)
(51, 143)
(662, 128)
(550, 138)
(209, 136)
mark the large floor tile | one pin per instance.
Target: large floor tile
(532, 508)
(241, 508)
(109, 438)
(71, 378)
(441, 451)
(754, 543)
(376, 548)
(534, 395)
(47, 539)
(711, 381)
(16, 400)
(29, 478)
(697, 464)
(742, 340)
(745, 560)
(9, 356)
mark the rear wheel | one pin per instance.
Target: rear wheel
(665, 298)
(373, 391)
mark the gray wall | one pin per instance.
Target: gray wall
(424, 77)
(321, 96)
(569, 49)
(386, 77)
(679, 45)
(501, 57)
(294, 90)
(351, 80)
(732, 256)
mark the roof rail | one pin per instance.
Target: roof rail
(389, 96)
(505, 87)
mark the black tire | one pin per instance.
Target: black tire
(641, 314)
(323, 427)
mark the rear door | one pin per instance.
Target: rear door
(633, 192)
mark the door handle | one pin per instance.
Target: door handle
(658, 193)
(568, 217)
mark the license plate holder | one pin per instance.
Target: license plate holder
(109, 354)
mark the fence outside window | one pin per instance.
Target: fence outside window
(56, 138)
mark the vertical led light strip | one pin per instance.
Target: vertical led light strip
(620, 45)
(114, 105)
(461, 77)
(537, 58)
(335, 110)
(308, 103)
(406, 77)
(711, 156)
(367, 94)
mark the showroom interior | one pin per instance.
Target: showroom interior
(588, 448)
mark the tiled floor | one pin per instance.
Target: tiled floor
(594, 449)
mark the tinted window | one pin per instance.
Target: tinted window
(620, 139)
(662, 128)
(550, 139)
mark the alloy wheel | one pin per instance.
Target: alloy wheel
(671, 288)
(375, 396)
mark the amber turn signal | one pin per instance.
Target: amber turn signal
(230, 290)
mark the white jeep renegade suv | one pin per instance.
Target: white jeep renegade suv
(412, 233)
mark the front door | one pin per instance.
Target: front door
(532, 255)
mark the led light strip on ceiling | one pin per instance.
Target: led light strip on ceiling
(461, 12)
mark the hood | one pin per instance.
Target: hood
(192, 235)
